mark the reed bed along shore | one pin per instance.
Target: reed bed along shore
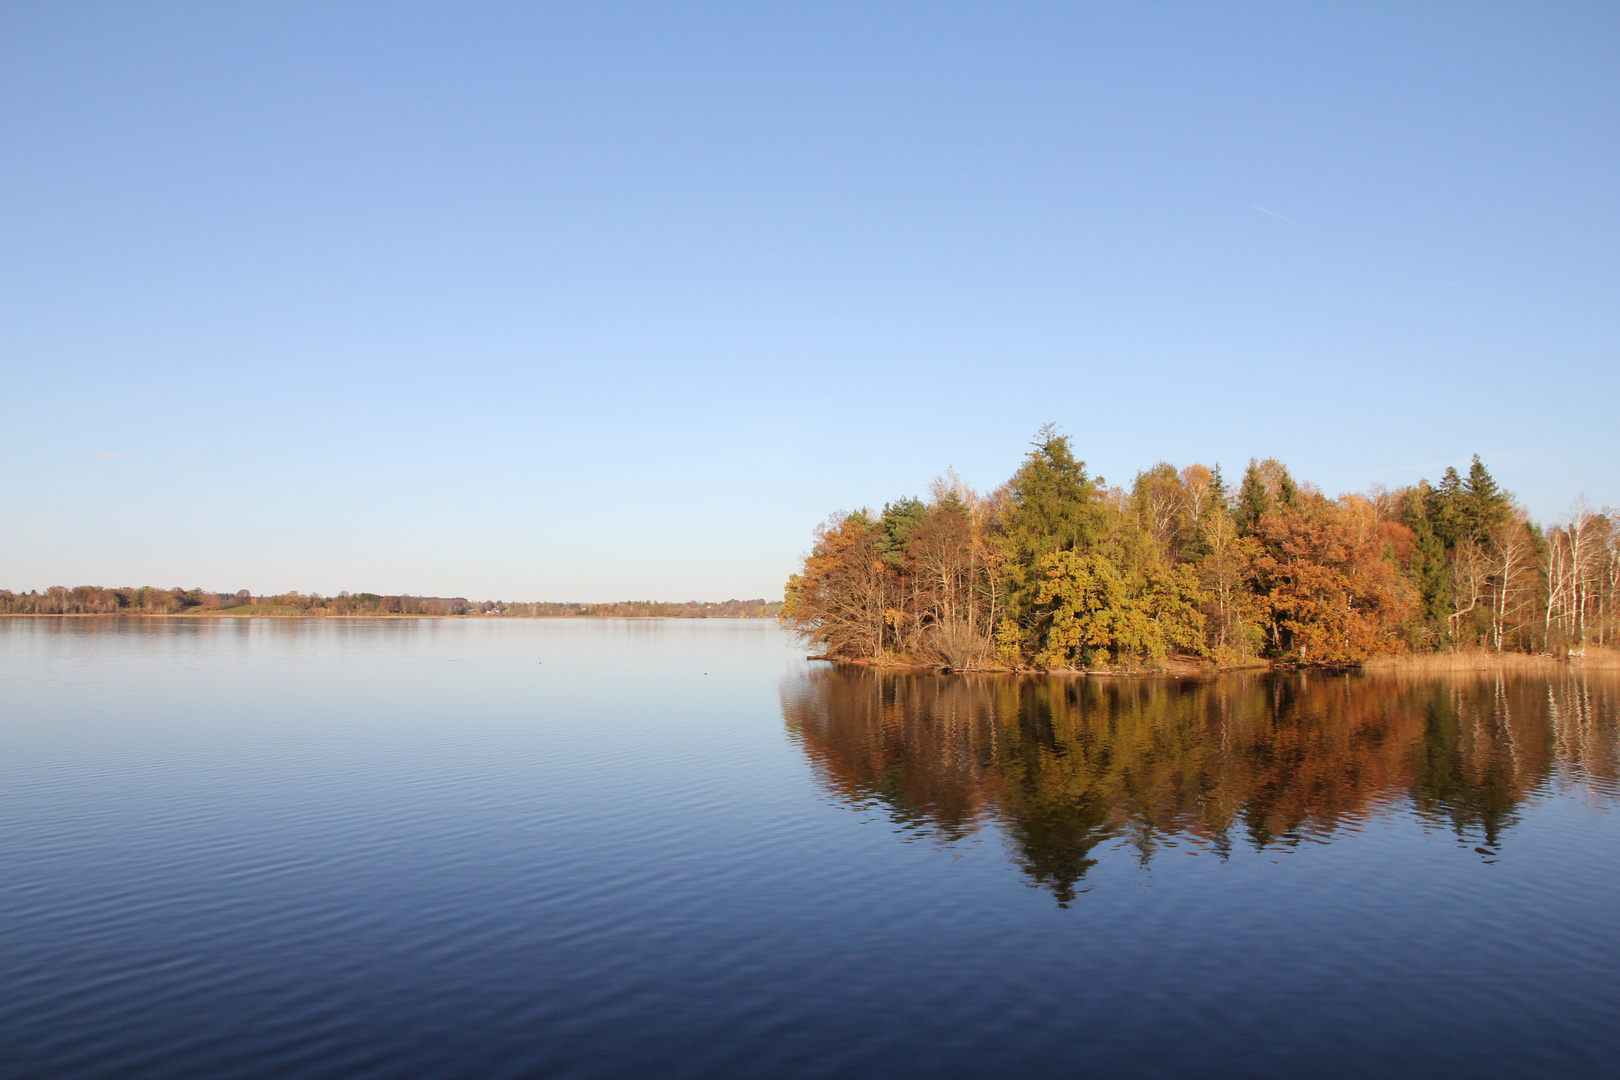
(1593, 658)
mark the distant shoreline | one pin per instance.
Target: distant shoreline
(203, 603)
(239, 614)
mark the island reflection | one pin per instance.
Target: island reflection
(1271, 761)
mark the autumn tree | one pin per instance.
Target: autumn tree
(837, 601)
(1327, 591)
(943, 561)
(1267, 485)
(1164, 509)
(1094, 608)
(1579, 566)
(1233, 611)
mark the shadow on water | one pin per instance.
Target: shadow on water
(1070, 769)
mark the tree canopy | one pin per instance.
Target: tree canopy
(1055, 569)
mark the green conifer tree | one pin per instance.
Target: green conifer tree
(1053, 507)
(1429, 562)
(1444, 508)
(1253, 500)
(1486, 505)
(1217, 491)
(1287, 490)
(900, 519)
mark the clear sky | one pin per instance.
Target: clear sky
(556, 301)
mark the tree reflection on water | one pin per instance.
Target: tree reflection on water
(1271, 761)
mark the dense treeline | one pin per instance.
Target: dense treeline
(94, 600)
(1058, 570)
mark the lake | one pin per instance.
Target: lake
(484, 848)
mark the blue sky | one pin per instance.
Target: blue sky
(607, 301)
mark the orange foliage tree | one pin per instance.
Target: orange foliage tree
(838, 601)
(1331, 592)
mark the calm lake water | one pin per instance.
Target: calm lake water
(612, 848)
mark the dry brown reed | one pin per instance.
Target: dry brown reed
(1601, 659)
(1591, 659)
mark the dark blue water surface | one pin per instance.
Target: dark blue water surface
(309, 848)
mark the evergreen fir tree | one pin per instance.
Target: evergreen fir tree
(900, 519)
(1429, 566)
(1287, 490)
(1486, 505)
(1054, 507)
(1253, 500)
(1444, 508)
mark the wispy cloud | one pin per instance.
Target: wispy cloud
(1453, 284)
(1278, 216)
(286, 532)
(112, 454)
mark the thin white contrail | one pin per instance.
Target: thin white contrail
(1278, 216)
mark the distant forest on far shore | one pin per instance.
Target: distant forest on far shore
(95, 600)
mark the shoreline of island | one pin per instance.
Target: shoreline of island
(1466, 661)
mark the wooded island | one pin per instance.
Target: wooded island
(1056, 570)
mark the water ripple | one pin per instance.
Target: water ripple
(319, 851)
